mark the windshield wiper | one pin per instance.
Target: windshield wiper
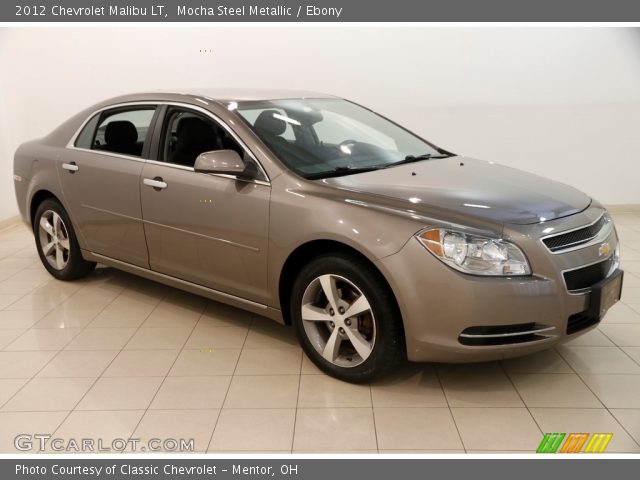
(340, 171)
(410, 159)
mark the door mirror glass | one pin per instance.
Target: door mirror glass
(226, 162)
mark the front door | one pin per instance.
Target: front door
(100, 177)
(207, 229)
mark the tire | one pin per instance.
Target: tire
(358, 348)
(57, 243)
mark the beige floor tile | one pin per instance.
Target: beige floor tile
(49, 394)
(92, 296)
(178, 310)
(631, 295)
(221, 315)
(39, 276)
(322, 391)
(101, 339)
(130, 309)
(57, 287)
(9, 387)
(254, 430)
(633, 266)
(158, 338)
(191, 393)
(478, 385)
(586, 420)
(323, 430)
(497, 429)
(178, 424)
(8, 335)
(598, 360)
(593, 338)
(630, 280)
(33, 301)
(17, 423)
(411, 386)
(216, 337)
(66, 319)
(23, 364)
(43, 339)
(547, 361)
(623, 335)
(205, 362)
(554, 390)
(633, 352)
(142, 363)
(265, 361)
(21, 318)
(104, 426)
(8, 299)
(121, 393)
(14, 287)
(71, 363)
(615, 391)
(621, 313)
(630, 420)
(265, 333)
(416, 428)
(438, 452)
(308, 367)
(264, 391)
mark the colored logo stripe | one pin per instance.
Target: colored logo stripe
(598, 442)
(574, 442)
(550, 442)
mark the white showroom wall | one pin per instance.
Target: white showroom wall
(560, 102)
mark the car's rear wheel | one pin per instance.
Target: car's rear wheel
(346, 318)
(57, 244)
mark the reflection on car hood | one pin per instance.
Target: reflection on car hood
(472, 187)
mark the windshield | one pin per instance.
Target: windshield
(318, 138)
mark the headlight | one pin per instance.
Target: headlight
(473, 254)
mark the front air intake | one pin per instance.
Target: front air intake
(491, 335)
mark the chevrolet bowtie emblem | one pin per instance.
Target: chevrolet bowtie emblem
(604, 249)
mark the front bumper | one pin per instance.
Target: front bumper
(453, 317)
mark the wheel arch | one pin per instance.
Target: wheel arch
(36, 199)
(306, 252)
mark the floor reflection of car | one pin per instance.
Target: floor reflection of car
(376, 245)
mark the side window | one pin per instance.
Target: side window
(187, 134)
(85, 139)
(123, 131)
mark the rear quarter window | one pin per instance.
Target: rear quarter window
(85, 139)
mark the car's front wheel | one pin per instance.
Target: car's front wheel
(346, 318)
(57, 244)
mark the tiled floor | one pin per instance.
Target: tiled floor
(115, 356)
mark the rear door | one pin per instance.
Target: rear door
(100, 177)
(207, 229)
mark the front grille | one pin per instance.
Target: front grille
(580, 321)
(574, 238)
(585, 277)
(503, 334)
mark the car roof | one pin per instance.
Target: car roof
(242, 94)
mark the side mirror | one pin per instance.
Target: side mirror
(226, 162)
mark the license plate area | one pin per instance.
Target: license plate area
(605, 294)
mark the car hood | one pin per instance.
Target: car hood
(471, 187)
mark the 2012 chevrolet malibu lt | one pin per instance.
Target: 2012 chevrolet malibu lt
(311, 210)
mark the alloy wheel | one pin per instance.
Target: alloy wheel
(338, 320)
(54, 239)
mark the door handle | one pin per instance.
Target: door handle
(156, 183)
(71, 167)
